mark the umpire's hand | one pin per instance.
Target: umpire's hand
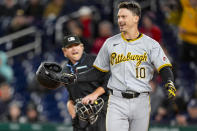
(67, 78)
(91, 98)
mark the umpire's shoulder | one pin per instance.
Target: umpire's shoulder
(90, 58)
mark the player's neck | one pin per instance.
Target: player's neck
(131, 34)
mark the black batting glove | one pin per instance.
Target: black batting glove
(170, 89)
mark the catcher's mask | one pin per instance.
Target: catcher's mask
(47, 74)
(89, 112)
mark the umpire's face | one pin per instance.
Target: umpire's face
(73, 52)
(127, 20)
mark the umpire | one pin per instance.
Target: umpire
(78, 61)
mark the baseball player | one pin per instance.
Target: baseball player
(79, 61)
(131, 57)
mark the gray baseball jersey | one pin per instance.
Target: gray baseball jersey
(131, 63)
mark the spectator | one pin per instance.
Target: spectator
(5, 92)
(85, 18)
(172, 10)
(163, 114)
(5, 70)
(149, 28)
(168, 111)
(31, 113)
(192, 112)
(14, 112)
(105, 31)
(5, 98)
(191, 117)
(53, 9)
(9, 8)
(19, 22)
(188, 32)
(7, 12)
(188, 47)
(34, 11)
(6, 76)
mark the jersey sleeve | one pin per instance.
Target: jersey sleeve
(158, 57)
(102, 60)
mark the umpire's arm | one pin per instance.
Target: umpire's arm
(91, 98)
(71, 108)
(102, 88)
(92, 74)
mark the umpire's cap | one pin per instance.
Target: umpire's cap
(70, 39)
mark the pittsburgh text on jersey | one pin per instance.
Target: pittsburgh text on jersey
(118, 58)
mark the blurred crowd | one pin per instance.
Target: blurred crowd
(173, 23)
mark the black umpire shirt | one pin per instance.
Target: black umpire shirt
(82, 89)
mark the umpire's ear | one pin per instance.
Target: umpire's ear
(64, 51)
(82, 45)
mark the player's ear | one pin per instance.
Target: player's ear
(136, 18)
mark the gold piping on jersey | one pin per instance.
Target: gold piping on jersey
(164, 65)
(100, 69)
(132, 39)
(118, 58)
(149, 105)
(106, 122)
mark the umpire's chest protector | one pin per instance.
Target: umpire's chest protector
(82, 89)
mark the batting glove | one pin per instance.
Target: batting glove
(171, 89)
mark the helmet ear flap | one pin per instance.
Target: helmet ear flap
(46, 75)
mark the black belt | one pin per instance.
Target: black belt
(127, 95)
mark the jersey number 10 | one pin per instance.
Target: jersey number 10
(140, 72)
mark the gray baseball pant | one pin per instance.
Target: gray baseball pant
(128, 114)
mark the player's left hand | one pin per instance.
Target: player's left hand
(91, 98)
(171, 89)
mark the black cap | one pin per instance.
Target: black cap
(71, 39)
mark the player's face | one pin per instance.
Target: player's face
(73, 52)
(126, 20)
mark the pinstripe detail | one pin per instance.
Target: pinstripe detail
(100, 69)
(164, 65)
